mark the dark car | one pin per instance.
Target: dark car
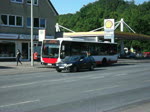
(75, 63)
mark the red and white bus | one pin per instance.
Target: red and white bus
(54, 50)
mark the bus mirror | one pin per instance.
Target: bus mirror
(62, 56)
(63, 48)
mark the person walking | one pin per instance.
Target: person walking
(18, 56)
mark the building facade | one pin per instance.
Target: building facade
(15, 25)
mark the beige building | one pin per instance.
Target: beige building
(15, 24)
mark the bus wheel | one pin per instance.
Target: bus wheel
(104, 62)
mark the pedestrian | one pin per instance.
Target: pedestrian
(18, 56)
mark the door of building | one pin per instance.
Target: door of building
(24, 50)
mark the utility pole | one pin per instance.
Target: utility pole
(32, 33)
(122, 41)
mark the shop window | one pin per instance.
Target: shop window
(7, 49)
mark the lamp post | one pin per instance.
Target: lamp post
(32, 33)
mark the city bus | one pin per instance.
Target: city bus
(54, 50)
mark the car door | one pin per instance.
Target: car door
(85, 62)
(82, 62)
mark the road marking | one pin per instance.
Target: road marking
(146, 80)
(98, 77)
(20, 103)
(121, 74)
(100, 89)
(46, 81)
(17, 85)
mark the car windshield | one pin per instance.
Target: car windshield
(71, 58)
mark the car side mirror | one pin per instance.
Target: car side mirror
(81, 59)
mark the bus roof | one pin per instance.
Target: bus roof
(80, 40)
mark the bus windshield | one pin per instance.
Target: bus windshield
(50, 50)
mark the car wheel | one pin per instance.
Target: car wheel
(58, 70)
(74, 69)
(91, 67)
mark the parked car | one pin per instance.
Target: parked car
(75, 63)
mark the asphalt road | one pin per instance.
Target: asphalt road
(106, 89)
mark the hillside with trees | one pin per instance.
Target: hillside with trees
(92, 15)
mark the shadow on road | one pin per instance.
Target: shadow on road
(5, 67)
(114, 65)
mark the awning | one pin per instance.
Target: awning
(8, 36)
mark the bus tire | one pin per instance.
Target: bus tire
(104, 62)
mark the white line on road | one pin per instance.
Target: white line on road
(147, 81)
(20, 103)
(99, 89)
(121, 74)
(45, 81)
(98, 77)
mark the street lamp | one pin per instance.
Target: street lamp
(32, 33)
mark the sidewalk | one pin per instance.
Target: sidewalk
(11, 68)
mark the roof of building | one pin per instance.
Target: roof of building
(131, 36)
(53, 7)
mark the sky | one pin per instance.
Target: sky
(72, 6)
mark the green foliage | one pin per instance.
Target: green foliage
(92, 15)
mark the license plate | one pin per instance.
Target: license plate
(61, 67)
(50, 64)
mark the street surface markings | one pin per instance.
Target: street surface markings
(121, 74)
(147, 81)
(98, 77)
(20, 103)
(46, 81)
(100, 89)
(72, 80)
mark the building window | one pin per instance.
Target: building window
(42, 23)
(28, 22)
(17, 1)
(35, 2)
(7, 49)
(4, 19)
(11, 20)
(19, 21)
(37, 23)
